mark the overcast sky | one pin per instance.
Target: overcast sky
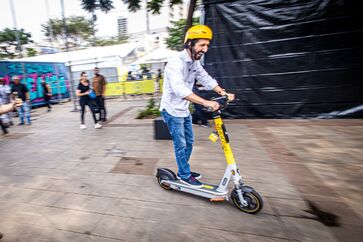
(30, 14)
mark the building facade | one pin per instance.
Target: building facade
(122, 26)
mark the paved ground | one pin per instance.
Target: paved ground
(60, 183)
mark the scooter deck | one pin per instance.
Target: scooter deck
(208, 190)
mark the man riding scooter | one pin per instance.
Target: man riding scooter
(179, 77)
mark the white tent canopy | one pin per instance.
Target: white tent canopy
(156, 56)
(90, 55)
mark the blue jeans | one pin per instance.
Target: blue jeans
(181, 131)
(24, 110)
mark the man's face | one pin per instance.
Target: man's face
(16, 79)
(200, 48)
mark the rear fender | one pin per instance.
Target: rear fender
(166, 174)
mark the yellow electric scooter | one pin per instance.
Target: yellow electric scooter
(244, 197)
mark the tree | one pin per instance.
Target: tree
(91, 6)
(175, 41)
(9, 47)
(153, 6)
(79, 29)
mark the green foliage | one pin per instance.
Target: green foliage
(111, 41)
(31, 52)
(79, 29)
(92, 5)
(150, 112)
(153, 6)
(8, 42)
(175, 41)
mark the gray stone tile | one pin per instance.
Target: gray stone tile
(52, 217)
(82, 222)
(58, 187)
(306, 230)
(207, 215)
(98, 204)
(71, 201)
(45, 198)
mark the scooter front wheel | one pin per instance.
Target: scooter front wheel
(253, 199)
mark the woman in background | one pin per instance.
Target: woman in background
(83, 92)
(47, 93)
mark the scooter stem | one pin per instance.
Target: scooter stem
(223, 136)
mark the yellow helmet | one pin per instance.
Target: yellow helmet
(198, 32)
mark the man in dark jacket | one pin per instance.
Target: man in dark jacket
(99, 87)
(19, 90)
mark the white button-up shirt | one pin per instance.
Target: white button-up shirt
(179, 77)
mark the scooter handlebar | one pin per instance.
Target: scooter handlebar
(222, 101)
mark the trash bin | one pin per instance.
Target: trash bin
(161, 131)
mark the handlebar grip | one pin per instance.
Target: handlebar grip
(207, 109)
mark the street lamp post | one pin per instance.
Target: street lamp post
(16, 28)
(17, 35)
(73, 96)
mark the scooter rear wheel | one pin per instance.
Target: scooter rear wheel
(253, 199)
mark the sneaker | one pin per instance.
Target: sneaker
(194, 174)
(83, 126)
(191, 181)
(98, 126)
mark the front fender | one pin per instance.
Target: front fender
(247, 189)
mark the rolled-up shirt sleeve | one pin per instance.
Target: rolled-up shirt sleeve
(174, 71)
(204, 78)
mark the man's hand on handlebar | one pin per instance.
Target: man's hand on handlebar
(230, 96)
(223, 93)
(211, 105)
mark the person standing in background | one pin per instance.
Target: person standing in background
(47, 93)
(159, 77)
(83, 91)
(19, 90)
(6, 108)
(5, 91)
(99, 87)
